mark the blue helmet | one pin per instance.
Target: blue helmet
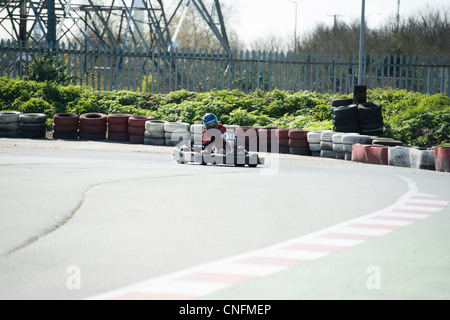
(210, 120)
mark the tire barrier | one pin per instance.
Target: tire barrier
(371, 154)
(154, 133)
(136, 128)
(313, 138)
(345, 118)
(118, 127)
(9, 124)
(265, 136)
(32, 125)
(386, 142)
(399, 157)
(442, 158)
(338, 147)
(176, 133)
(247, 137)
(65, 126)
(196, 131)
(422, 158)
(283, 140)
(326, 144)
(370, 118)
(298, 142)
(93, 126)
(341, 102)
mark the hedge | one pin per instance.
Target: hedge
(417, 119)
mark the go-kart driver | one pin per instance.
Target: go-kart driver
(212, 129)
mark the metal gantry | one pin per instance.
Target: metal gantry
(113, 23)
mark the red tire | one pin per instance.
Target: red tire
(118, 136)
(93, 119)
(139, 121)
(299, 143)
(118, 127)
(136, 139)
(92, 136)
(65, 128)
(300, 151)
(282, 133)
(297, 134)
(136, 131)
(118, 118)
(66, 119)
(100, 129)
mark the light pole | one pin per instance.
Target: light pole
(361, 43)
(295, 31)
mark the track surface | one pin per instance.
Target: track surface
(85, 220)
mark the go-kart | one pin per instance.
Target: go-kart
(222, 151)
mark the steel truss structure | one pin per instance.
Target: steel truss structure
(112, 23)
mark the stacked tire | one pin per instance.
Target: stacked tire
(340, 149)
(247, 137)
(283, 140)
(442, 158)
(422, 158)
(350, 139)
(265, 139)
(93, 126)
(9, 124)
(345, 116)
(177, 133)
(326, 144)
(196, 131)
(370, 119)
(65, 126)
(298, 142)
(32, 125)
(313, 138)
(136, 128)
(388, 142)
(154, 133)
(118, 127)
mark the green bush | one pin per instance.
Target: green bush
(414, 118)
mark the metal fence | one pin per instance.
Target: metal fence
(157, 71)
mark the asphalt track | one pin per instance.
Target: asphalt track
(95, 220)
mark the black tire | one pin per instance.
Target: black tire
(58, 135)
(32, 134)
(33, 118)
(29, 127)
(346, 128)
(341, 102)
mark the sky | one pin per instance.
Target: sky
(259, 18)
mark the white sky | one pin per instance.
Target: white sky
(259, 18)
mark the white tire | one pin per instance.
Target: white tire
(154, 142)
(230, 128)
(340, 155)
(422, 159)
(337, 136)
(176, 126)
(313, 136)
(328, 154)
(399, 157)
(9, 116)
(197, 128)
(338, 147)
(352, 139)
(326, 135)
(11, 126)
(177, 136)
(155, 125)
(326, 145)
(314, 147)
(155, 134)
